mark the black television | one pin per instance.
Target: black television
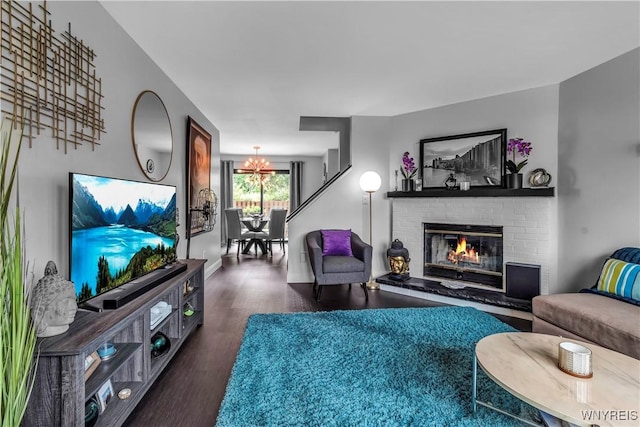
(121, 231)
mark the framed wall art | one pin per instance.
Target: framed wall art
(198, 168)
(477, 158)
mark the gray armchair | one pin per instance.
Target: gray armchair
(337, 270)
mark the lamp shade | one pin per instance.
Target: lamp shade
(370, 182)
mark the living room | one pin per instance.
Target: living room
(588, 175)
(584, 127)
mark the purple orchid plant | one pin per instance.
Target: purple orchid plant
(409, 168)
(521, 147)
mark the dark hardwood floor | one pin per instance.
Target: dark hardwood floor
(191, 389)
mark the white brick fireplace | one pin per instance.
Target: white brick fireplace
(526, 225)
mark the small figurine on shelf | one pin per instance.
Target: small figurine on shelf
(451, 182)
(539, 178)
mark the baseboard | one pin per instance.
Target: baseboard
(459, 302)
(212, 268)
(299, 278)
(308, 278)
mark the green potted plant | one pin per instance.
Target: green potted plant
(17, 334)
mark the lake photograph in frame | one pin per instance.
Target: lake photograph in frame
(477, 158)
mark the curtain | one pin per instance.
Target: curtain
(295, 185)
(226, 196)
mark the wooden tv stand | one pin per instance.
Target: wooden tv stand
(60, 391)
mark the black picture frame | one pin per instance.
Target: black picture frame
(198, 169)
(477, 157)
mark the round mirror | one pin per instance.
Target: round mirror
(151, 133)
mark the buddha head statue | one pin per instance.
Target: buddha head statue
(398, 257)
(53, 303)
(398, 264)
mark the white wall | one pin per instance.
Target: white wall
(311, 170)
(342, 204)
(599, 165)
(333, 163)
(43, 176)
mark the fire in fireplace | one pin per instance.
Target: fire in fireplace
(471, 253)
(464, 252)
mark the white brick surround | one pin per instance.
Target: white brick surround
(525, 221)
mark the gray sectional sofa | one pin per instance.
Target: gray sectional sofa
(592, 316)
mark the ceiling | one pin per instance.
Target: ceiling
(253, 68)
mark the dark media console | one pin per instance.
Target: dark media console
(118, 297)
(61, 391)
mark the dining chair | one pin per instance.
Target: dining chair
(234, 229)
(241, 215)
(277, 218)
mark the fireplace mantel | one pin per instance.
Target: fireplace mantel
(475, 192)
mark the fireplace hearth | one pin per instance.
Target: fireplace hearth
(469, 253)
(473, 294)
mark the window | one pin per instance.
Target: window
(261, 198)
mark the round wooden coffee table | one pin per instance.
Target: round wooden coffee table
(526, 365)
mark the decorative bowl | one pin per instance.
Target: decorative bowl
(91, 412)
(107, 351)
(160, 345)
(188, 310)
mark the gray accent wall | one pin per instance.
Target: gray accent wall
(43, 171)
(598, 168)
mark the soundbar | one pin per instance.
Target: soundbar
(135, 288)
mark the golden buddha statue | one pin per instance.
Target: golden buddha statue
(398, 257)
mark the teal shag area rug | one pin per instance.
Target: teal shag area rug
(376, 367)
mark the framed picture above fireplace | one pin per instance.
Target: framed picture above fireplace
(477, 158)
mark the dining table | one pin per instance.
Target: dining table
(255, 225)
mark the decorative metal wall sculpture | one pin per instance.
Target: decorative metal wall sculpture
(49, 82)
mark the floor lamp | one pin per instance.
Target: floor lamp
(370, 182)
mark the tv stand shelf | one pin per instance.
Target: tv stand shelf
(60, 392)
(108, 368)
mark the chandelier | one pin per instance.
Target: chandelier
(258, 168)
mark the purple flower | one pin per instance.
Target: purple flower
(409, 168)
(521, 147)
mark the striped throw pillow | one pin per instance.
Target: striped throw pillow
(620, 278)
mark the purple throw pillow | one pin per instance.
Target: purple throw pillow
(336, 242)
